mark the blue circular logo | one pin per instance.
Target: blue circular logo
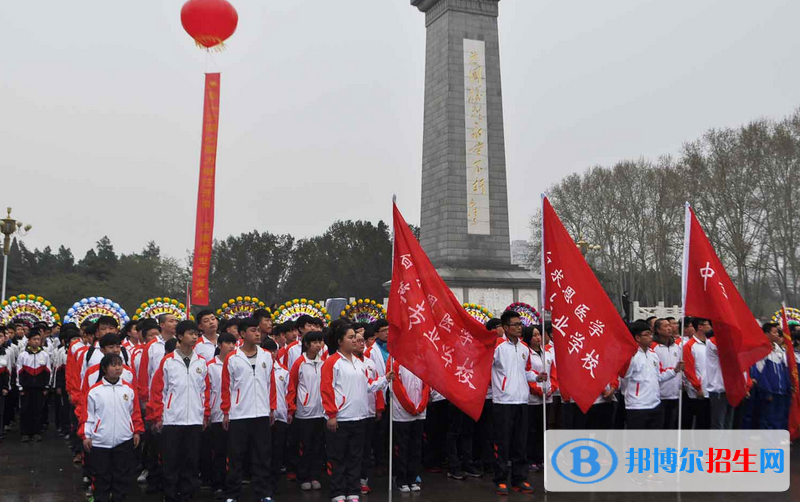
(590, 459)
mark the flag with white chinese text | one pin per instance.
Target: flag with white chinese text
(430, 333)
(592, 341)
(709, 293)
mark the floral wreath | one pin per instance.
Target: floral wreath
(528, 314)
(29, 309)
(479, 312)
(365, 310)
(155, 307)
(241, 307)
(92, 308)
(293, 309)
(792, 314)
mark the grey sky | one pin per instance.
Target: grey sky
(321, 114)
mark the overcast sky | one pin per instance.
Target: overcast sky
(321, 113)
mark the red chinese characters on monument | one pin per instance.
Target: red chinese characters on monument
(430, 333)
(591, 340)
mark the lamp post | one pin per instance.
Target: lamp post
(585, 247)
(9, 227)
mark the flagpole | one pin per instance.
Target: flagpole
(391, 366)
(687, 226)
(542, 283)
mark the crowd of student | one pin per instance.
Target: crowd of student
(215, 405)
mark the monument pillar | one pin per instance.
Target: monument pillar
(464, 216)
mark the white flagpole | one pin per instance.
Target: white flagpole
(543, 282)
(687, 228)
(391, 364)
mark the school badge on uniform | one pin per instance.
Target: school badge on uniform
(264, 365)
(125, 397)
(199, 371)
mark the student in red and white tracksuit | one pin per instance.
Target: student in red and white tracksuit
(643, 375)
(409, 400)
(111, 425)
(542, 363)
(179, 409)
(33, 380)
(697, 408)
(305, 411)
(345, 387)
(248, 403)
(374, 415)
(511, 372)
(280, 425)
(670, 353)
(226, 343)
(720, 411)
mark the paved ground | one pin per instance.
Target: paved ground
(43, 472)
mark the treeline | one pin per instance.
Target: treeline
(744, 184)
(349, 259)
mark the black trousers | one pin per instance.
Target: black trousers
(311, 435)
(249, 438)
(366, 460)
(600, 416)
(63, 411)
(670, 410)
(619, 412)
(345, 451)
(219, 455)
(535, 434)
(113, 472)
(292, 448)
(380, 437)
(279, 430)
(152, 458)
(408, 450)
(644, 419)
(31, 412)
(435, 434)
(483, 445)
(460, 430)
(180, 452)
(205, 464)
(510, 442)
(697, 411)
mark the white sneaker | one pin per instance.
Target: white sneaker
(142, 477)
(305, 486)
(353, 498)
(415, 487)
(316, 485)
(405, 489)
(340, 498)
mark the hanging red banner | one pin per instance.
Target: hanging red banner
(204, 226)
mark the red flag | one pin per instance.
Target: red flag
(591, 340)
(794, 403)
(430, 333)
(709, 293)
(204, 224)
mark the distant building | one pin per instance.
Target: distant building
(520, 253)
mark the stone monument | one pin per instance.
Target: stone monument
(464, 218)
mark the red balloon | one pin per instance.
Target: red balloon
(209, 22)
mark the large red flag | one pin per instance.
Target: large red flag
(709, 293)
(794, 403)
(591, 340)
(430, 333)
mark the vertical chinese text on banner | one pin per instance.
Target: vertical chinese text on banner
(204, 226)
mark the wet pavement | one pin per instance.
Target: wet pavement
(43, 472)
